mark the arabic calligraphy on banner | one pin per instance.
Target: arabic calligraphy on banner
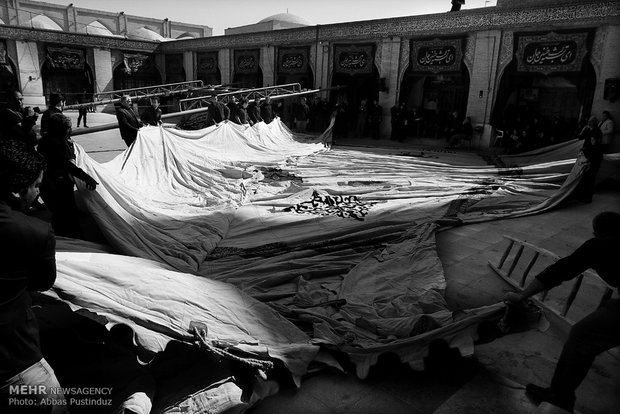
(551, 53)
(207, 62)
(65, 58)
(438, 55)
(135, 62)
(353, 59)
(246, 61)
(293, 60)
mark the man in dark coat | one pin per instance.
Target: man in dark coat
(58, 184)
(266, 110)
(597, 332)
(16, 122)
(128, 122)
(254, 112)
(152, 114)
(593, 150)
(27, 253)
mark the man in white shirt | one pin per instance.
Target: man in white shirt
(607, 130)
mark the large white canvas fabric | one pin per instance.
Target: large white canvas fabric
(339, 240)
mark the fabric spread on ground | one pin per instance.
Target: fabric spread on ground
(339, 241)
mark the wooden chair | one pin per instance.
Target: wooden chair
(516, 273)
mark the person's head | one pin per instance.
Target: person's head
(268, 99)
(17, 100)
(606, 115)
(606, 224)
(155, 102)
(593, 122)
(126, 101)
(21, 172)
(57, 100)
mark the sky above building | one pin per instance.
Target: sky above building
(222, 14)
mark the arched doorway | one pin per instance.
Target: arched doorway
(293, 66)
(434, 86)
(357, 74)
(431, 98)
(247, 71)
(66, 71)
(523, 96)
(136, 71)
(546, 100)
(207, 68)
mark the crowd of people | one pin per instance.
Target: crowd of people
(524, 131)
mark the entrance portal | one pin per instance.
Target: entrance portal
(69, 81)
(548, 107)
(432, 98)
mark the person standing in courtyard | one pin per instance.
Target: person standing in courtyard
(82, 99)
(27, 253)
(266, 110)
(597, 332)
(592, 149)
(58, 184)
(607, 131)
(128, 121)
(152, 114)
(17, 122)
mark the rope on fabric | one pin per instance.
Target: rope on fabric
(203, 341)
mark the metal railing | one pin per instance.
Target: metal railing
(249, 94)
(169, 89)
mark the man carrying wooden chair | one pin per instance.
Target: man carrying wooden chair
(597, 332)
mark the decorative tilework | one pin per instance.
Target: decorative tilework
(596, 57)
(378, 54)
(506, 50)
(470, 52)
(595, 13)
(75, 39)
(405, 47)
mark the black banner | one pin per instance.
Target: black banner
(293, 60)
(207, 63)
(246, 61)
(552, 52)
(174, 64)
(353, 59)
(438, 55)
(135, 62)
(65, 58)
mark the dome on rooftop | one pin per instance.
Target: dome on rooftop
(41, 21)
(144, 33)
(288, 18)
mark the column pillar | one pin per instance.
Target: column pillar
(388, 55)
(267, 59)
(224, 62)
(188, 66)
(104, 79)
(483, 82)
(30, 79)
